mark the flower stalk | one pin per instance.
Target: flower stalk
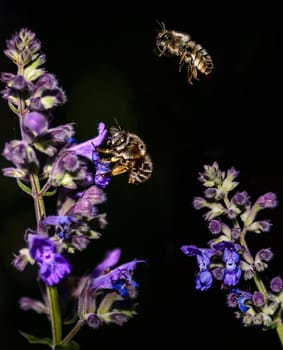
(55, 315)
(47, 161)
(231, 217)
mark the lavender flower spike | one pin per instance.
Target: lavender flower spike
(49, 164)
(231, 216)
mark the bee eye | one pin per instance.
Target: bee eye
(165, 37)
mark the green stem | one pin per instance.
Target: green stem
(52, 293)
(257, 280)
(38, 200)
(260, 285)
(279, 330)
(55, 315)
(72, 333)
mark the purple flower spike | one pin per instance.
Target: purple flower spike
(53, 266)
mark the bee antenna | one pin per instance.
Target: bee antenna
(161, 24)
(117, 124)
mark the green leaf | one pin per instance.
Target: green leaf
(35, 340)
(24, 187)
(72, 345)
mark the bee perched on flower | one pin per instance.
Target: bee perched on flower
(231, 217)
(128, 153)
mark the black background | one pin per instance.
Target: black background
(104, 59)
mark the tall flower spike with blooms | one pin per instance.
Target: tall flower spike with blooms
(47, 161)
(231, 216)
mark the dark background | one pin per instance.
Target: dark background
(104, 59)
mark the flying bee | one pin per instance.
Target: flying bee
(127, 154)
(172, 43)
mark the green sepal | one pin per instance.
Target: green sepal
(45, 148)
(72, 345)
(24, 187)
(13, 108)
(107, 302)
(49, 101)
(35, 340)
(94, 234)
(31, 73)
(49, 193)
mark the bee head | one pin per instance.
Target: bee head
(118, 137)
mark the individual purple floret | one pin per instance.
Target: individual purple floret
(231, 258)
(240, 198)
(276, 284)
(86, 149)
(268, 200)
(241, 299)
(119, 279)
(204, 278)
(53, 266)
(215, 227)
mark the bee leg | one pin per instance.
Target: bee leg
(110, 160)
(190, 73)
(119, 169)
(103, 150)
(105, 160)
(181, 62)
(162, 52)
(195, 73)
